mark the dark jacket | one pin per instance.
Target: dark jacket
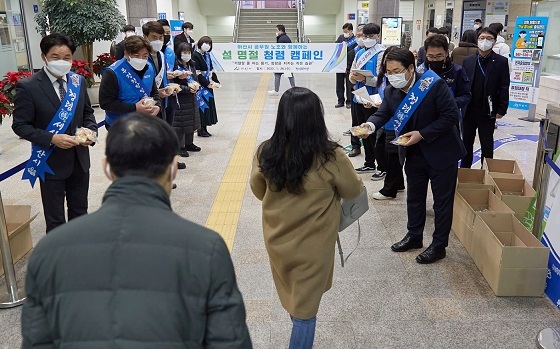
(186, 114)
(420, 56)
(181, 38)
(464, 50)
(457, 80)
(119, 50)
(133, 275)
(109, 93)
(436, 119)
(201, 66)
(36, 102)
(496, 82)
(350, 54)
(283, 39)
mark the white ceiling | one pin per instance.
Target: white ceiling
(227, 7)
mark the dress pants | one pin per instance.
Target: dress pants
(485, 126)
(342, 83)
(443, 181)
(362, 114)
(170, 110)
(380, 151)
(185, 138)
(53, 191)
(394, 179)
(278, 77)
(355, 141)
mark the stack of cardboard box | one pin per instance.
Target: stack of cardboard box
(18, 219)
(489, 204)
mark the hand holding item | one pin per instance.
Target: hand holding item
(173, 88)
(193, 85)
(377, 105)
(358, 77)
(155, 111)
(368, 105)
(145, 105)
(216, 85)
(164, 92)
(64, 141)
(363, 131)
(410, 138)
(170, 75)
(85, 136)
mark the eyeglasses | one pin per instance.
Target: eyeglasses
(395, 73)
(436, 57)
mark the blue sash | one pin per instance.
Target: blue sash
(200, 102)
(208, 75)
(413, 99)
(37, 164)
(133, 81)
(351, 41)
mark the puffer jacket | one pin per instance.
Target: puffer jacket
(187, 115)
(501, 47)
(464, 50)
(133, 275)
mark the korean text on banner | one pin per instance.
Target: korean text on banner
(391, 31)
(279, 58)
(176, 26)
(526, 56)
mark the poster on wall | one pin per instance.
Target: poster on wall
(289, 58)
(176, 26)
(468, 19)
(391, 31)
(526, 57)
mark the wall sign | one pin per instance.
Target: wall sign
(391, 31)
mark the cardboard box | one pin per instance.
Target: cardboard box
(18, 219)
(468, 178)
(468, 203)
(517, 193)
(512, 260)
(503, 168)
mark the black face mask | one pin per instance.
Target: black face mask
(439, 66)
(166, 39)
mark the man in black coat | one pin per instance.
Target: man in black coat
(134, 274)
(37, 101)
(489, 74)
(129, 31)
(281, 38)
(431, 153)
(342, 78)
(185, 36)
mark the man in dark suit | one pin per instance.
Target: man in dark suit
(342, 78)
(281, 38)
(431, 153)
(129, 31)
(37, 101)
(489, 73)
(185, 36)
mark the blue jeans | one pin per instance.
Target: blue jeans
(303, 333)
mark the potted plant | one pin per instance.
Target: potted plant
(84, 21)
(8, 92)
(82, 68)
(102, 62)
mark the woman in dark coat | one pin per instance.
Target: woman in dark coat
(187, 117)
(468, 46)
(208, 80)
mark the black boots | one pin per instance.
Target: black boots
(203, 132)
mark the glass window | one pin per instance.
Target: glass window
(551, 59)
(13, 47)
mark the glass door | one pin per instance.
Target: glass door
(13, 44)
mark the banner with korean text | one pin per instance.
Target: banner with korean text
(279, 58)
(526, 58)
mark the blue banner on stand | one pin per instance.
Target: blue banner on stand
(37, 164)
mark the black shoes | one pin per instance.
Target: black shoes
(354, 152)
(339, 105)
(181, 165)
(406, 244)
(192, 147)
(431, 255)
(183, 153)
(348, 105)
(203, 133)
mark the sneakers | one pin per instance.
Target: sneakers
(378, 176)
(379, 196)
(273, 93)
(347, 133)
(366, 169)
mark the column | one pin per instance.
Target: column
(137, 9)
(382, 8)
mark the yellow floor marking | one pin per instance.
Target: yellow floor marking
(226, 208)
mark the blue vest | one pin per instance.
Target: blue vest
(164, 82)
(372, 67)
(127, 95)
(169, 58)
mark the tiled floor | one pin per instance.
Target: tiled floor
(379, 300)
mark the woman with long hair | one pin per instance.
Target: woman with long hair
(467, 46)
(300, 175)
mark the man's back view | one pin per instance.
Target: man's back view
(134, 274)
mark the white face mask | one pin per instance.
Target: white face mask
(59, 67)
(398, 80)
(347, 35)
(157, 45)
(369, 42)
(476, 26)
(189, 32)
(205, 47)
(360, 42)
(485, 45)
(186, 57)
(138, 63)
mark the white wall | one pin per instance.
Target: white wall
(220, 25)
(418, 33)
(166, 6)
(193, 15)
(321, 25)
(346, 7)
(33, 37)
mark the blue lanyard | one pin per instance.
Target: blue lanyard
(480, 66)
